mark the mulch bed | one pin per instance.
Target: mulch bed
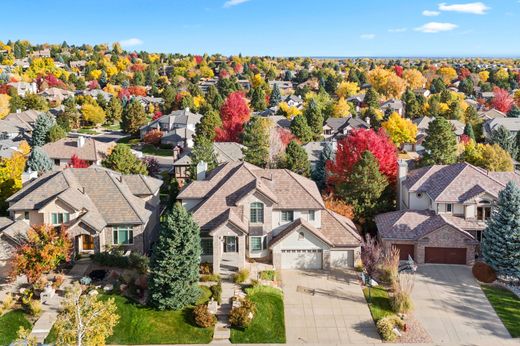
(415, 333)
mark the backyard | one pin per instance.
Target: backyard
(507, 307)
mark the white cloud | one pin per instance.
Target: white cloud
(397, 30)
(472, 7)
(131, 42)
(434, 27)
(231, 3)
(429, 13)
(368, 36)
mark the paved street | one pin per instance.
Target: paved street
(323, 308)
(451, 306)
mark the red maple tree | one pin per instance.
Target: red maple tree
(353, 146)
(502, 101)
(76, 162)
(234, 114)
(198, 59)
(398, 70)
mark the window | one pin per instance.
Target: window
(57, 162)
(207, 246)
(257, 243)
(479, 235)
(123, 235)
(449, 207)
(287, 215)
(301, 236)
(26, 215)
(312, 215)
(419, 195)
(483, 213)
(257, 212)
(59, 218)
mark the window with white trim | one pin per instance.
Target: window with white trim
(287, 216)
(449, 207)
(59, 218)
(123, 235)
(257, 243)
(256, 212)
(312, 215)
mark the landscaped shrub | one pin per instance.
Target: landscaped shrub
(243, 315)
(116, 259)
(138, 262)
(390, 266)
(8, 302)
(34, 308)
(386, 326)
(268, 275)
(210, 278)
(153, 137)
(58, 281)
(241, 276)
(40, 283)
(483, 272)
(401, 302)
(205, 268)
(85, 280)
(216, 293)
(358, 265)
(203, 318)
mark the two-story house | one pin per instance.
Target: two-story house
(443, 212)
(337, 128)
(87, 149)
(274, 215)
(177, 127)
(100, 208)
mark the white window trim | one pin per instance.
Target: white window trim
(127, 228)
(313, 213)
(57, 218)
(286, 212)
(263, 245)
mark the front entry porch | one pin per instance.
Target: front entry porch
(229, 250)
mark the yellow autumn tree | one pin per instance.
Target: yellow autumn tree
(346, 89)
(341, 108)
(386, 82)
(95, 74)
(400, 130)
(484, 76)
(447, 74)
(93, 113)
(502, 74)
(4, 105)
(257, 80)
(414, 78)
(11, 170)
(488, 156)
(288, 111)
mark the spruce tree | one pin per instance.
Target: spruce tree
(276, 96)
(514, 112)
(207, 125)
(468, 131)
(258, 101)
(174, 267)
(256, 141)
(300, 128)
(168, 96)
(39, 161)
(44, 122)
(315, 119)
(296, 159)
(319, 173)
(114, 111)
(501, 238)
(134, 117)
(202, 151)
(440, 143)
(505, 139)
(371, 98)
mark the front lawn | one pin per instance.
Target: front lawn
(9, 325)
(152, 150)
(86, 131)
(507, 307)
(268, 325)
(379, 302)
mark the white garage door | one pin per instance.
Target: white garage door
(342, 259)
(302, 259)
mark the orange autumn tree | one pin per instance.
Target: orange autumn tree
(46, 247)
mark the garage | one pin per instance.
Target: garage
(445, 255)
(405, 250)
(302, 259)
(342, 258)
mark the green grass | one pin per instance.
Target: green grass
(140, 325)
(128, 140)
(268, 325)
(379, 303)
(152, 150)
(9, 325)
(113, 127)
(88, 131)
(507, 307)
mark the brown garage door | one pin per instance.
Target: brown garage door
(405, 250)
(445, 255)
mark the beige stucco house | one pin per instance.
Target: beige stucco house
(247, 213)
(443, 212)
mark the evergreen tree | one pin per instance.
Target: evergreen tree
(300, 128)
(505, 139)
(122, 160)
(258, 101)
(168, 96)
(468, 131)
(501, 238)
(514, 112)
(39, 161)
(276, 96)
(371, 98)
(315, 119)
(42, 126)
(455, 112)
(202, 151)
(134, 117)
(364, 187)
(101, 101)
(256, 141)
(296, 159)
(114, 111)
(207, 125)
(467, 86)
(16, 102)
(214, 98)
(440, 143)
(437, 86)
(331, 85)
(319, 173)
(412, 108)
(174, 267)
(56, 133)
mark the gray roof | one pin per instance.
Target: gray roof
(423, 123)
(338, 124)
(314, 150)
(177, 135)
(512, 124)
(8, 148)
(492, 113)
(225, 152)
(181, 117)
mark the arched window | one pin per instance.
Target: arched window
(256, 212)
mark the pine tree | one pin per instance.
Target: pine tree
(371, 98)
(501, 238)
(214, 98)
(122, 160)
(468, 131)
(319, 174)
(364, 187)
(258, 101)
(300, 128)
(134, 117)
(39, 161)
(276, 97)
(207, 125)
(256, 141)
(202, 151)
(42, 126)
(174, 267)
(296, 159)
(168, 96)
(114, 111)
(440, 144)
(505, 139)
(315, 119)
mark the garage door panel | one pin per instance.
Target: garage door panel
(342, 259)
(302, 259)
(443, 255)
(405, 250)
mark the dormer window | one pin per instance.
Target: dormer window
(301, 236)
(449, 207)
(312, 215)
(256, 212)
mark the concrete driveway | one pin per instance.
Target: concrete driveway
(453, 309)
(326, 308)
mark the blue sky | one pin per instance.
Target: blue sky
(275, 27)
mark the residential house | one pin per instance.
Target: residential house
(56, 95)
(423, 124)
(7, 148)
(487, 95)
(24, 88)
(294, 101)
(337, 128)
(18, 125)
(100, 208)
(10, 238)
(443, 212)
(492, 114)
(314, 149)
(95, 93)
(393, 105)
(86, 149)
(357, 101)
(42, 53)
(177, 127)
(285, 87)
(512, 124)
(422, 92)
(249, 213)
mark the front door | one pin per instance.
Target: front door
(230, 244)
(87, 242)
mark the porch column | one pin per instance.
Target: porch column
(217, 254)
(241, 251)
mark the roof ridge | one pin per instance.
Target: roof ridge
(352, 231)
(124, 195)
(451, 182)
(303, 187)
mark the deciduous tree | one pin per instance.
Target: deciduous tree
(234, 114)
(122, 160)
(400, 130)
(502, 100)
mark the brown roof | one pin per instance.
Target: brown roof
(92, 150)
